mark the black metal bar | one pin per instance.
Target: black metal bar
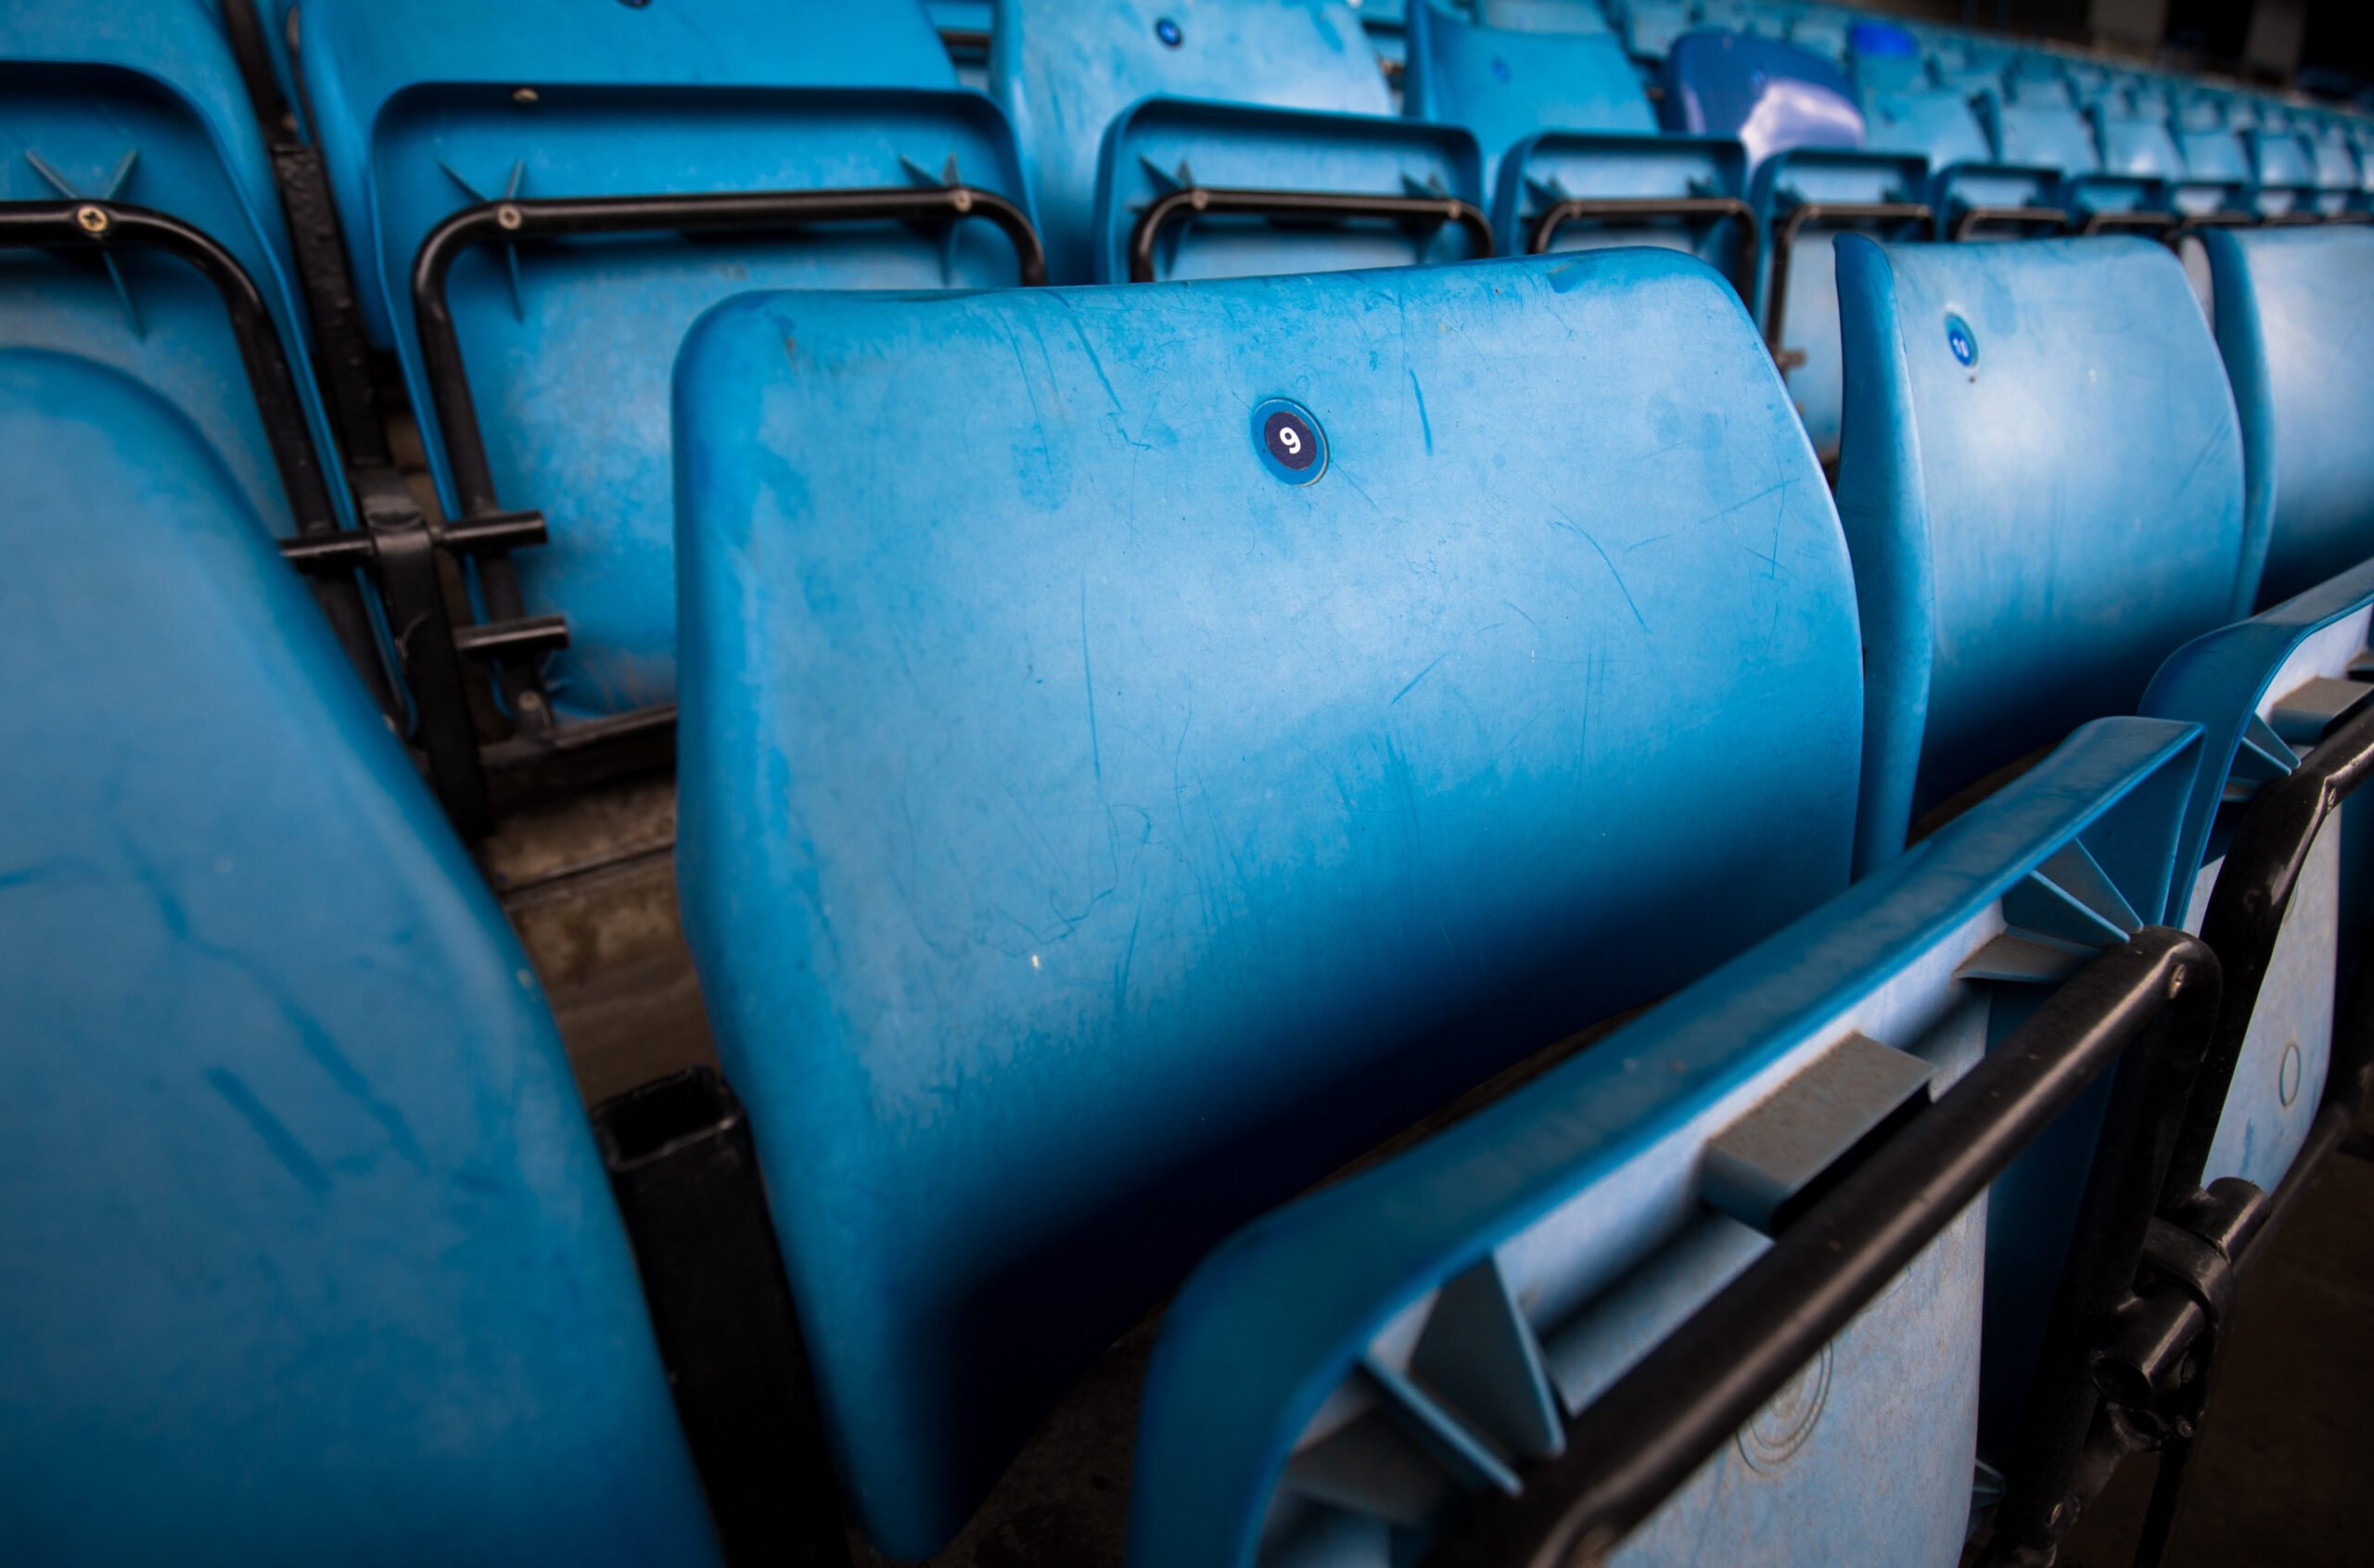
(685, 1173)
(1213, 201)
(1784, 242)
(2263, 865)
(419, 617)
(1639, 1441)
(2100, 222)
(1971, 218)
(709, 212)
(106, 225)
(1558, 215)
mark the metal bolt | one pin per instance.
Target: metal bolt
(530, 703)
(523, 95)
(1198, 199)
(93, 219)
(507, 216)
(962, 199)
(2178, 976)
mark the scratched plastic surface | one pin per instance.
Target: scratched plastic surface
(309, 1256)
(2295, 323)
(569, 344)
(141, 104)
(1580, 1199)
(1091, 838)
(2041, 479)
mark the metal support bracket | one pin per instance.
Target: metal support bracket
(1707, 209)
(1187, 203)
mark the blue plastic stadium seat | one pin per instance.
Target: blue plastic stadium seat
(1967, 184)
(1121, 104)
(2340, 178)
(2283, 167)
(1563, 120)
(1651, 26)
(2041, 480)
(1796, 117)
(1542, 15)
(2266, 691)
(309, 1254)
(143, 105)
(2295, 323)
(2217, 176)
(1496, 1280)
(2042, 128)
(1223, 734)
(427, 109)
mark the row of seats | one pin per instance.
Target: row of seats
(560, 349)
(1320, 750)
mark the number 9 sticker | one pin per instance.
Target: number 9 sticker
(1289, 440)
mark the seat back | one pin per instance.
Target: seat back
(1237, 741)
(2041, 479)
(310, 1256)
(2041, 131)
(142, 104)
(1341, 1376)
(1065, 73)
(1542, 15)
(2284, 167)
(2136, 142)
(1772, 97)
(2295, 324)
(1506, 86)
(425, 110)
(1884, 58)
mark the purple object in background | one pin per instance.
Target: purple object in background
(1772, 97)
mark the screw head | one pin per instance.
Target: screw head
(507, 216)
(1198, 199)
(1168, 31)
(523, 95)
(93, 220)
(962, 200)
(2179, 977)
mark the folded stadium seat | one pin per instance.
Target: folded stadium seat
(2135, 147)
(309, 1254)
(100, 109)
(2042, 128)
(2283, 169)
(2218, 177)
(1542, 1319)
(2042, 484)
(1795, 115)
(2295, 324)
(2341, 177)
(1571, 145)
(784, 143)
(1245, 138)
(1968, 189)
(1242, 740)
(136, 199)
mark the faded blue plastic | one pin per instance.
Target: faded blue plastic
(1809, 319)
(1772, 97)
(1577, 1200)
(2038, 526)
(1158, 145)
(2234, 681)
(309, 1256)
(1507, 86)
(2295, 323)
(142, 103)
(1066, 70)
(569, 344)
(1089, 839)
(1964, 167)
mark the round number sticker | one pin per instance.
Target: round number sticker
(1292, 447)
(1958, 340)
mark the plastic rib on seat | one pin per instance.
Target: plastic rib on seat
(2042, 484)
(1614, 1307)
(1230, 746)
